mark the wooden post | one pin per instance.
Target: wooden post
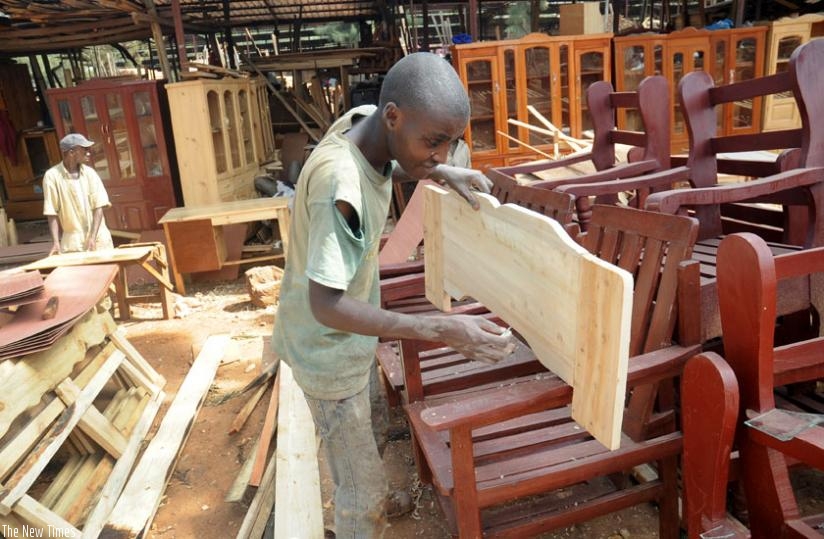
(230, 41)
(739, 12)
(180, 39)
(425, 14)
(473, 20)
(157, 35)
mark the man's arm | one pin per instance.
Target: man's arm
(54, 231)
(473, 336)
(97, 218)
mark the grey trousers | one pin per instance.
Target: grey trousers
(345, 426)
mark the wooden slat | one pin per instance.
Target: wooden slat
(298, 512)
(138, 503)
(269, 426)
(573, 309)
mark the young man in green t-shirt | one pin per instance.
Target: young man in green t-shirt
(329, 319)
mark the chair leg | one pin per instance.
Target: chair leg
(668, 521)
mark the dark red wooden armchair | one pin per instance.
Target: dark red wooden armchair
(512, 441)
(649, 152)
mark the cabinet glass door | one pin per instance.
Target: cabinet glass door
(744, 69)
(216, 124)
(96, 132)
(118, 134)
(538, 89)
(246, 126)
(590, 69)
(482, 134)
(683, 63)
(719, 76)
(144, 111)
(511, 100)
(231, 128)
(563, 91)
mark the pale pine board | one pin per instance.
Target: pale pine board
(573, 308)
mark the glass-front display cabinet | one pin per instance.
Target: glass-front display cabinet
(37, 150)
(784, 36)
(218, 120)
(535, 80)
(133, 152)
(727, 55)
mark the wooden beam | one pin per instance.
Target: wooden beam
(270, 425)
(180, 37)
(137, 505)
(299, 511)
(160, 43)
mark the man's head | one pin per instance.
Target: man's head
(73, 140)
(424, 107)
(75, 148)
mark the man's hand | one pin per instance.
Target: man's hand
(55, 250)
(91, 244)
(477, 338)
(463, 180)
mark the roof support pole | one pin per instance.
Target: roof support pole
(160, 44)
(473, 20)
(180, 38)
(230, 41)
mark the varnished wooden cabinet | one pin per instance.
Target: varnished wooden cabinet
(220, 134)
(785, 35)
(503, 78)
(728, 55)
(37, 151)
(133, 154)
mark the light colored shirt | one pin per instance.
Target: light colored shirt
(73, 201)
(328, 363)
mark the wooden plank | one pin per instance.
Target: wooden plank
(573, 308)
(227, 213)
(246, 411)
(117, 479)
(17, 448)
(408, 231)
(270, 424)
(138, 503)
(137, 360)
(260, 509)
(298, 511)
(103, 256)
(20, 482)
(238, 489)
(93, 422)
(37, 516)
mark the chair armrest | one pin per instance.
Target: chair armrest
(673, 201)
(542, 392)
(663, 179)
(401, 268)
(660, 364)
(402, 287)
(806, 446)
(531, 168)
(626, 170)
(519, 398)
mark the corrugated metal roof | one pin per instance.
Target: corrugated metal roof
(50, 25)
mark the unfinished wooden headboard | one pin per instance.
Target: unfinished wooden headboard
(573, 309)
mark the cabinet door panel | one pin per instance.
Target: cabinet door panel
(481, 133)
(539, 73)
(590, 66)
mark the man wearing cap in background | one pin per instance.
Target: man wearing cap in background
(74, 198)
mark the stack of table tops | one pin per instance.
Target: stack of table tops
(77, 289)
(18, 288)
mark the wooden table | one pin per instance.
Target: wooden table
(151, 256)
(195, 234)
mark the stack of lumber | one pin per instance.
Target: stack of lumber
(8, 230)
(74, 419)
(79, 407)
(285, 482)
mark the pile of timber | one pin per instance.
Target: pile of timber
(283, 484)
(74, 419)
(8, 230)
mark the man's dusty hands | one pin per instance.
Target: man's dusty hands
(477, 338)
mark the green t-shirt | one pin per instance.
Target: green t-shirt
(327, 363)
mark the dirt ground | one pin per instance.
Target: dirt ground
(193, 504)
